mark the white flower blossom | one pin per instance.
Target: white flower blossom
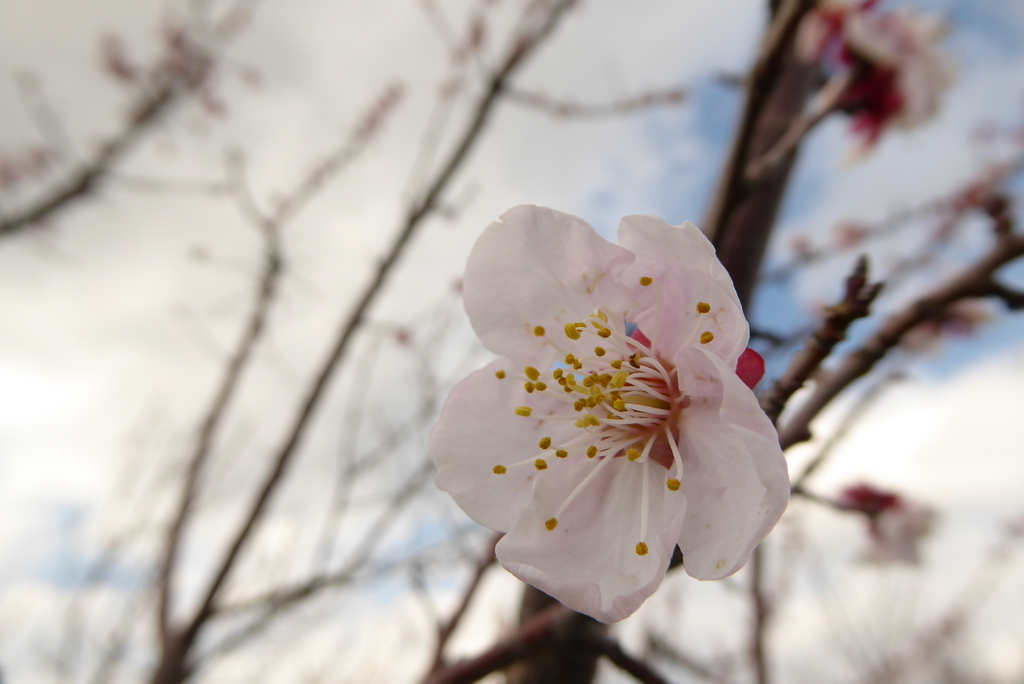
(614, 426)
(903, 75)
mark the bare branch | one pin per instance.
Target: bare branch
(855, 304)
(974, 282)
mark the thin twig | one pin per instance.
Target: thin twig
(183, 71)
(855, 304)
(858, 410)
(268, 283)
(445, 631)
(759, 629)
(953, 205)
(577, 110)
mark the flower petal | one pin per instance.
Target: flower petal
(478, 430)
(539, 267)
(589, 561)
(687, 275)
(750, 367)
(734, 474)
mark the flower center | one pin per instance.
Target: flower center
(625, 402)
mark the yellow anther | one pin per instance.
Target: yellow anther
(641, 549)
(499, 470)
(600, 351)
(571, 332)
(673, 485)
(531, 372)
(581, 423)
(529, 387)
(539, 331)
(570, 359)
(604, 379)
(551, 524)
(597, 324)
(557, 373)
(646, 280)
(591, 451)
(632, 454)
(571, 379)
(580, 404)
(634, 360)
(578, 365)
(595, 389)
(568, 390)
(540, 386)
(602, 315)
(562, 381)
(706, 337)
(703, 307)
(619, 379)
(617, 363)
(545, 443)
(619, 405)
(591, 402)
(593, 420)
(604, 332)
(524, 411)
(499, 374)
(588, 381)
(561, 453)
(540, 464)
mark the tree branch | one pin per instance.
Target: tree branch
(611, 650)
(742, 212)
(855, 304)
(976, 281)
(538, 633)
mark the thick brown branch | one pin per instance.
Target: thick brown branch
(742, 212)
(976, 281)
(539, 632)
(855, 304)
(824, 104)
(611, 649)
